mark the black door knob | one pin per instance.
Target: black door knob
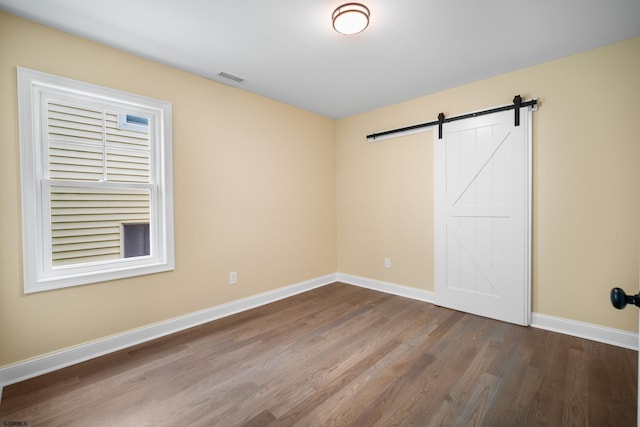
(620, 299)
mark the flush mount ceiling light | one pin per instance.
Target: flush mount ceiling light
(350, 18)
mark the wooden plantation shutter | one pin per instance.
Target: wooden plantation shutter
(99, 178)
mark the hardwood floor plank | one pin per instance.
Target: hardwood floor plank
(483, 393)
(304, 407)
(574, 411)
(462, 392)
(341, 355)
(521, 382)
(263, 419)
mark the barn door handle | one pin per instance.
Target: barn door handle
(620, 299)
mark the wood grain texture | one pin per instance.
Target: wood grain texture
(341, 355)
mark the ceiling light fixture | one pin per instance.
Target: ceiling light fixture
(350, 18)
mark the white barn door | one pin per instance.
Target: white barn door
(482, 216)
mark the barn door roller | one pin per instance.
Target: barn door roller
(517, 103)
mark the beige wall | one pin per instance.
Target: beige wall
(254, 193)
(586, 183)
(263, 188)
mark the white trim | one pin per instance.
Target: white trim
(617, 337)
(387, 287)
(60, 359)
(34, 89)
(528, 119)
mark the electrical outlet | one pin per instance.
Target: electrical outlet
(387, 263)
(233, 278)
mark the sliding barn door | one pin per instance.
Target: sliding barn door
(482, 216)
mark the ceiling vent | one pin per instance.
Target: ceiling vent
(231, 77)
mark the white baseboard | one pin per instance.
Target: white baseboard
(387, 287)
(589, 331)
(60, 359)
(574, 328)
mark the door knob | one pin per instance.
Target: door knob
(620, 299)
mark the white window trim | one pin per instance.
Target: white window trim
(33, 88)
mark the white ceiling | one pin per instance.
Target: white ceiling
(287, 49)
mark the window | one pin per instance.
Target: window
(129, 121)
(97, 195)
(135, 240)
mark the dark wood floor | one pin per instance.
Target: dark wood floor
(341, 355)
